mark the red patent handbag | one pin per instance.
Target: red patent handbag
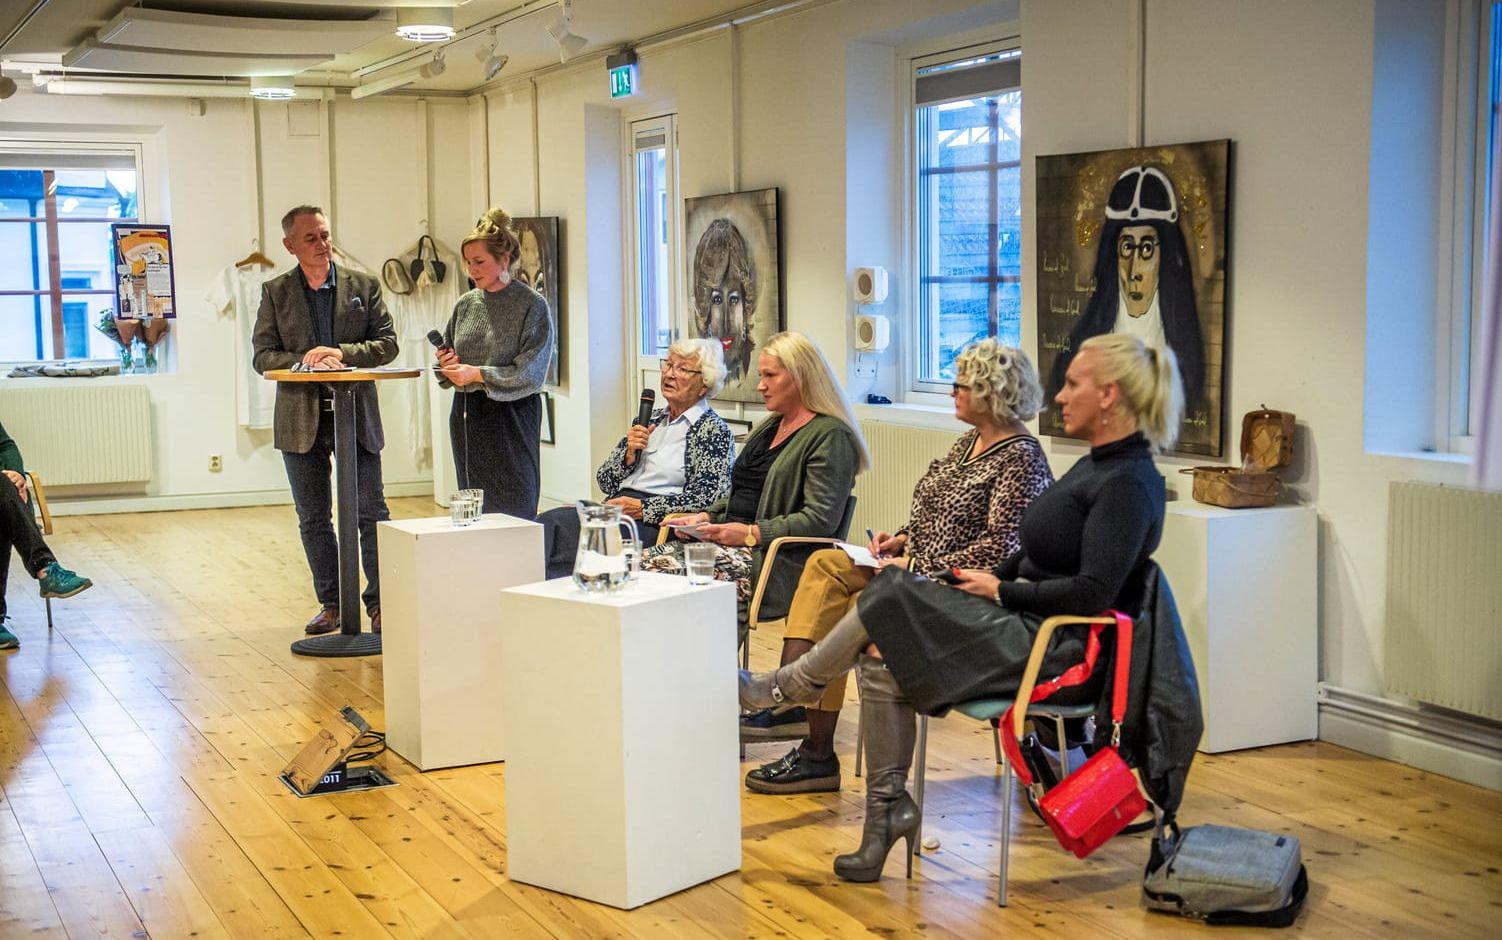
(1100, 797)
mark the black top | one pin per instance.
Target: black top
(321, 306)
(1085, 535)
(749, 474)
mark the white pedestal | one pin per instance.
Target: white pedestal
(619, 714)
(440, 607)
(1246, 582)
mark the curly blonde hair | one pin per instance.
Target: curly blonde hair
(1002, 378)
(495, 231)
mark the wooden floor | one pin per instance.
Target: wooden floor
(140, 742)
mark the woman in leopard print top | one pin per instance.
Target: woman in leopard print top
(965, 514)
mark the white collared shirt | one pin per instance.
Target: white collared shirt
(1148, 327)
(660, 468)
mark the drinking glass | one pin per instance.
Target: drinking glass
(698, 561)
(476, 503)
(462, 509)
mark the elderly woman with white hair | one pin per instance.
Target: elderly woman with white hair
(679, 461)
(964, 514)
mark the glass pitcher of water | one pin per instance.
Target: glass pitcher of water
(608, 547)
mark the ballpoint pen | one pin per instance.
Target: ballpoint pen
(872, 536)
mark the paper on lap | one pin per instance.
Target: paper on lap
(859, 554)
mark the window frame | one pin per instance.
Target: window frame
(644, 368)
(1464, 155)
(915, 390)
(131, 147)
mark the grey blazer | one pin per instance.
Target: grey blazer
(284, 331)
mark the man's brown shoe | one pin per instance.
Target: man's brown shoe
(327, 621)
(375, 621)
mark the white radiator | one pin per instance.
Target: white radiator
(900, 455)
(90, 434)
(1444, 597)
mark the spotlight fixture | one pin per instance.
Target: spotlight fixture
(425, 24)
(490, 57)
(432, 69)
(560, 29)
(272, 87)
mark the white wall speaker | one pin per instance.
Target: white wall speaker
(870, 285)
(873, 332)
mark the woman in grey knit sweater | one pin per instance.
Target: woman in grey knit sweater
(495, 354)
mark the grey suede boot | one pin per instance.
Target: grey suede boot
(802, 681)
(891, 813)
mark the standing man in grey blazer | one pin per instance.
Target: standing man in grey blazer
(325, 317)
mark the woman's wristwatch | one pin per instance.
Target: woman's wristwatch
(750, 537)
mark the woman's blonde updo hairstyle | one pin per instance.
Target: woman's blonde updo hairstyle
(1148, 377)
(494, 230)
(1002, 378)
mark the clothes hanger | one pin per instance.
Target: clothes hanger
(255, 257)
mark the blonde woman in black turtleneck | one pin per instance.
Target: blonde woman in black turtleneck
(495, 355)
(924, 647)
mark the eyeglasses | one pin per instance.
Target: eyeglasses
(959, 385)
(669, 367)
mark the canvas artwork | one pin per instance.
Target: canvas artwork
(538, 266)
(1134, 241)
(735, 279)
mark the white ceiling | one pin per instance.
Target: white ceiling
(58, 27)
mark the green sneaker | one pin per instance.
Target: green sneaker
(58, 581)
(8, 640)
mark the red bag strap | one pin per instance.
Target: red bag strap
(1074, 675)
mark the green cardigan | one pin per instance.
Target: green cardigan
(805, 494)
(10, 454)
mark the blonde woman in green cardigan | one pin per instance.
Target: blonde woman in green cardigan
(792, 477)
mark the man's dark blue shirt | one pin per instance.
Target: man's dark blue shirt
(321, 306)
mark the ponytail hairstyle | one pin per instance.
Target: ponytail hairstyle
(495, 231)
(1148, 377)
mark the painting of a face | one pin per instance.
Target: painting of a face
(734, 279)
(529, 269)
(538, 256)
(1137, 267)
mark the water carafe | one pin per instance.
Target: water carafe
(608, 547)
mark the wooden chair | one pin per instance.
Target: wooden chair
(44, 520)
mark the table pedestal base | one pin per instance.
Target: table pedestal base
(339, 644)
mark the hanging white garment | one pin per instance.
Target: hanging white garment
(427, 307)
(236, 292)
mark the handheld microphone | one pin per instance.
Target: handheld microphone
(644, 413)
(436, 338)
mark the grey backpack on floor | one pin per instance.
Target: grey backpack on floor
(1226, 876)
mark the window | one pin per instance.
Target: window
(55, 214)
(968, 122)
(654, 192)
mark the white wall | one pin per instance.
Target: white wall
(200, 181)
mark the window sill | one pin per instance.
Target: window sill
(911, 415)
(1425, 456)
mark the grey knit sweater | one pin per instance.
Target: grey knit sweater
(507, 334)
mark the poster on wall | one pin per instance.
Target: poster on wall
(733, 260)
(538, 266)
(144, 285)
(1134, 241)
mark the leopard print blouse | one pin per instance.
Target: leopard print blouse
(966, 511)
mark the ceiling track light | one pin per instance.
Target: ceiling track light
(561, 29)
(428, 24)
(434, 68)
(490, 57)
(272, 87)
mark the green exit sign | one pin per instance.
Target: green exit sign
(623, 81)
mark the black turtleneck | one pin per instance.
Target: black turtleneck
(1087, 533)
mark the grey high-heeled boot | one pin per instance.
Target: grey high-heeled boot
(891, 814)
(802, 681)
